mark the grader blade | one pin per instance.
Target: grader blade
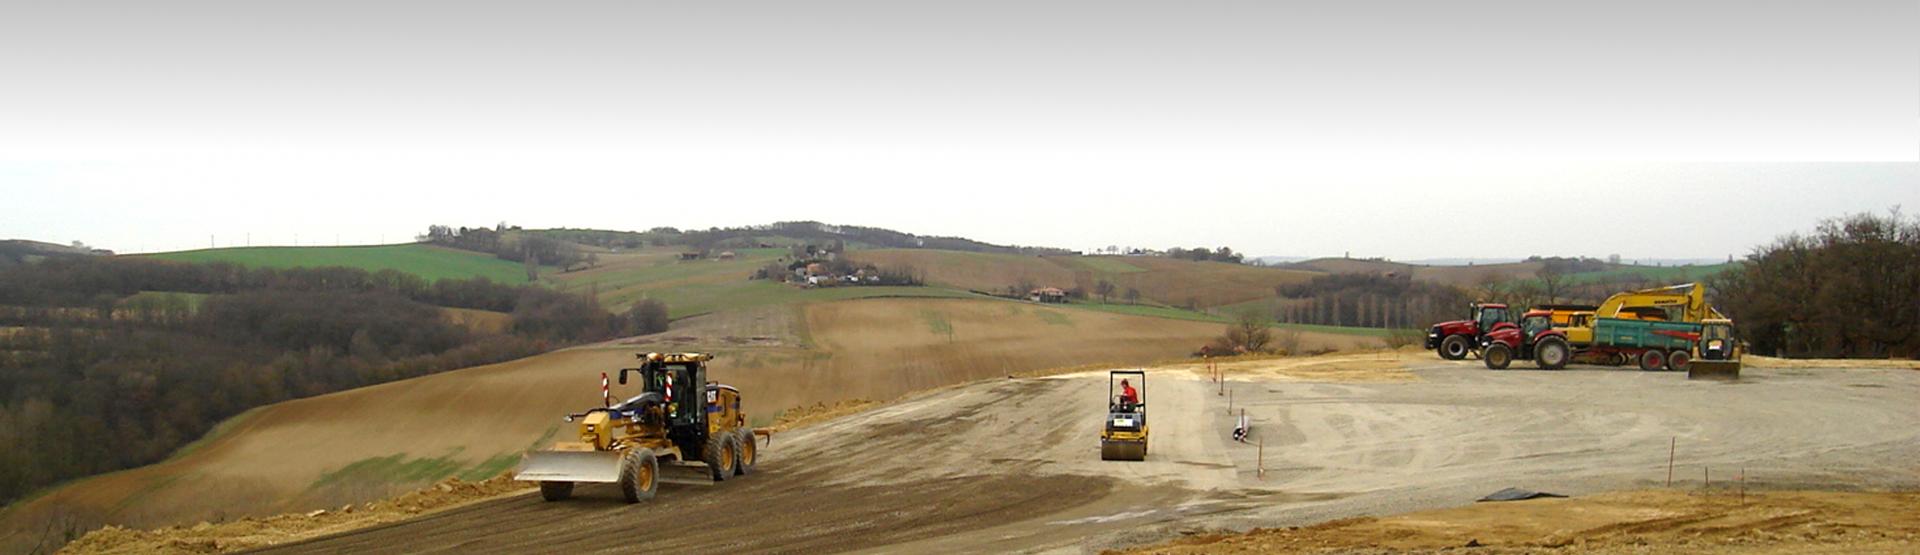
(570, 466)
(1723, 370)
(1123, 450)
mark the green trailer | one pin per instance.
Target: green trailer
(1655, 344)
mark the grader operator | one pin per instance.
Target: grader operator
(678, 418)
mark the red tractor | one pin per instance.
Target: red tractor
(1455, 339)
(1534, 338)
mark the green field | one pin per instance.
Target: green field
(704, 298)
(430, 262)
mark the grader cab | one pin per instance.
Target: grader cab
(678, 418)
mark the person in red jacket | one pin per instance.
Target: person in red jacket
(1128, 397)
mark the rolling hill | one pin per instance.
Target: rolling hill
(361, 444)
(1163, 281)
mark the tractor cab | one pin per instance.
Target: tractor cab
(1534, 322)
(1488, 315)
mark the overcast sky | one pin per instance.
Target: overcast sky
(1399, 129)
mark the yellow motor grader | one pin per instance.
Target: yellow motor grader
(678, 418)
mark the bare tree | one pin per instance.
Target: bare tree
(1104, 289)
(1552, 281)
(1133, 296)
(1251, 332)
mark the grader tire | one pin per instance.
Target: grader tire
(1455, 347)
(748, 454)
(556, 491)
(639, 476)
(719, 455)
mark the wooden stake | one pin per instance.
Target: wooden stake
(1261, 465)
(1706, 477)
(1670, 446)
(1229, 403)
(1743, 485)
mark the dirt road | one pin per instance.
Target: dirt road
(1012, 465)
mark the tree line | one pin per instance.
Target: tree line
(1367, 300)
(1848, 289)
(91, 381)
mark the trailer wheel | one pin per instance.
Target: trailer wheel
(639, 475)
(749, 453)
(1455, 347)
(1552, 353)
(719, 453)
(1679, 361)
(1652, 360)
(1617, 359)
(556, 491)
(1498, 356)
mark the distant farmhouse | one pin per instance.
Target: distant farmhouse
(1047, 295)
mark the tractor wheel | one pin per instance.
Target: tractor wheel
(1552, 353)
(1678, 361)
(639, 475)
(1652, 360)
(719, 455)
(1455, 347)
(1498, 356)
(749, 453)
(1617, 359)
(556, 491)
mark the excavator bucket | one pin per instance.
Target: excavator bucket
(1723, 370)
(1112, 450)
(570, 466)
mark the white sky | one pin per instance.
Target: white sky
(1407, 130)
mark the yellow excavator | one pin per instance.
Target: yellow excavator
(1124, 436)
(678, 418)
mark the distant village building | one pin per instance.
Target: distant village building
(726, 255)
(1047, 295)
(689, 256)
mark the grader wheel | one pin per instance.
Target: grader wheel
(719, 454)
(556, 491)
(748, 454)
(639, 476)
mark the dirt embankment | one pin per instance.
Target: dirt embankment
(253, 533)
(1663, 521)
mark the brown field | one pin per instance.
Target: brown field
(1162, 280)
(371, 442)
(1458, 276)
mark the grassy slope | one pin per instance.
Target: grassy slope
(426, 261)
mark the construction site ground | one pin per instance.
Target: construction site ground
(1012, 465)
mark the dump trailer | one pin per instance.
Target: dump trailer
(1124, 435)
(679, 418)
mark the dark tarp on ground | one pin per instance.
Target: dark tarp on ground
(1516, 494)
